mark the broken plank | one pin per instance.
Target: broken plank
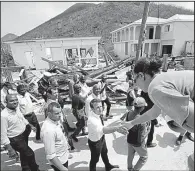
(107, 72)
(82, 70)
(58, 65)
(12, 67)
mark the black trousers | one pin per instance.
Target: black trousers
(27, 156)
(32, 119)
(56, 169)
(80, 124)
(107, 101)
(98, 148)
(65, 125)
(151, 133)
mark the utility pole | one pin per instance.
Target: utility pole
(142, 29)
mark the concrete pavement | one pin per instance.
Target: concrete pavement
(165, 156)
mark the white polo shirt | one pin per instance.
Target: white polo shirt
(95, 127)
(54, 140)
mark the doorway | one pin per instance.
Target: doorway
(151, 32)
(30, 59)
(167, 49)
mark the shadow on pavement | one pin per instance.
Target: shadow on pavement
(74, 167)
(82, 143)
(168, 139)
(120, 145)
(9, 164)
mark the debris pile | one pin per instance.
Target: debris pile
(116, 72)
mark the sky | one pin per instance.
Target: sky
(21, 17)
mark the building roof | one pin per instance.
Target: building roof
(151, 20)
(178, 17)
(54, 39)
(154, 20)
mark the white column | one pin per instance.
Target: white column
(79, 54)
(134, 28)
(125, 34)
(154, 32)
(121, 36)
(149, 50)
(96, 51)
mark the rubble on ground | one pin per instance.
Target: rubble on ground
(116, 72)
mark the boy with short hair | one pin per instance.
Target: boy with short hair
(137, 135)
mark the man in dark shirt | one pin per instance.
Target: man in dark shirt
(153, 122)
(43, 85)
(78, 110)
(137, 135)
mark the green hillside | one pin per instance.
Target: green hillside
(84, 19)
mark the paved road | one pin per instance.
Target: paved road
(166, 156)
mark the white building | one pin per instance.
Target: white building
(162, 36)
(82, 50)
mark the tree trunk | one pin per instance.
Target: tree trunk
(142, 29)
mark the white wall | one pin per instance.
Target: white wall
(167, 35)
(38, 49)
(19, 49)
(184, 31)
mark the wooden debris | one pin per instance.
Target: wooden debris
(58, 65)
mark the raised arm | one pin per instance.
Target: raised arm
(151, 114)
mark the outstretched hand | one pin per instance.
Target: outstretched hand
(122, 130)
(127, 125)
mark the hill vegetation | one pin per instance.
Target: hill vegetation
(85, 19)
(6, 54)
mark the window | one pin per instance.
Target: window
(30, 59)
(71, 56)
(83, 52)
(167, 28)
(48, 53)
